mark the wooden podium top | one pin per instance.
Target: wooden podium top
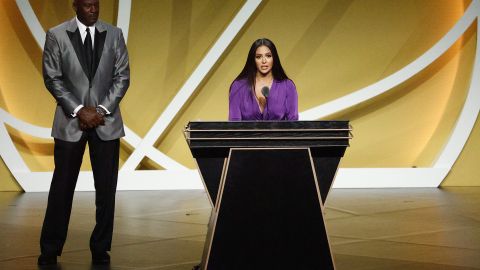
(268, 134)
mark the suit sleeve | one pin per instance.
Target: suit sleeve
(53, 75)
(121, 76)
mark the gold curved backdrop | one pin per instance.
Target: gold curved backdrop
(330, 48)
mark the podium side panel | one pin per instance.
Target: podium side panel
(325, 169)
(211, 169)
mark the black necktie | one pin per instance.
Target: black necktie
(87, 45)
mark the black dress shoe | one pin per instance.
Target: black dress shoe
(47, 259)
(100, 258)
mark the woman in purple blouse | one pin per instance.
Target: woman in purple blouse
(262, 91)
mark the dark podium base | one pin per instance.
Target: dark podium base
(269, 213)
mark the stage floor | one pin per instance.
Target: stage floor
(368, 229)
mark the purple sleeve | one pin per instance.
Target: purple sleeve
(234, 100)
(292, 101)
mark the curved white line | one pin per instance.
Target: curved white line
(163, 160)
(10, 154)
(398, 77)
(32, 130)
(192, 83)
(467, 118)
(129, 180)
(123, 17)
(32, 21)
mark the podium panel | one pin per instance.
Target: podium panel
(270, 213)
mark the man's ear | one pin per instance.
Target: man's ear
(74, 6)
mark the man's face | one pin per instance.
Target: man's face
(87, 11)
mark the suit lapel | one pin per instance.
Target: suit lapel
(76, 40)
(99, 43)
(77, 44)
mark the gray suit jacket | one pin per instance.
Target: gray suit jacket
(65, 76)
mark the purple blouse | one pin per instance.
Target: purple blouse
(282, 102)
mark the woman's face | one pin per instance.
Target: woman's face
(264, 60)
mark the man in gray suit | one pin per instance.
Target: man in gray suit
(86, 69)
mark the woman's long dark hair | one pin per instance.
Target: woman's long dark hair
(250, 69)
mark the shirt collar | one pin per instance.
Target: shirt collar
(82, 27)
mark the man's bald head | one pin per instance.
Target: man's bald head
(87, 11)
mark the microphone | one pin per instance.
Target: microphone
(265, 91)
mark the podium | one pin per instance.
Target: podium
(267, 182)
